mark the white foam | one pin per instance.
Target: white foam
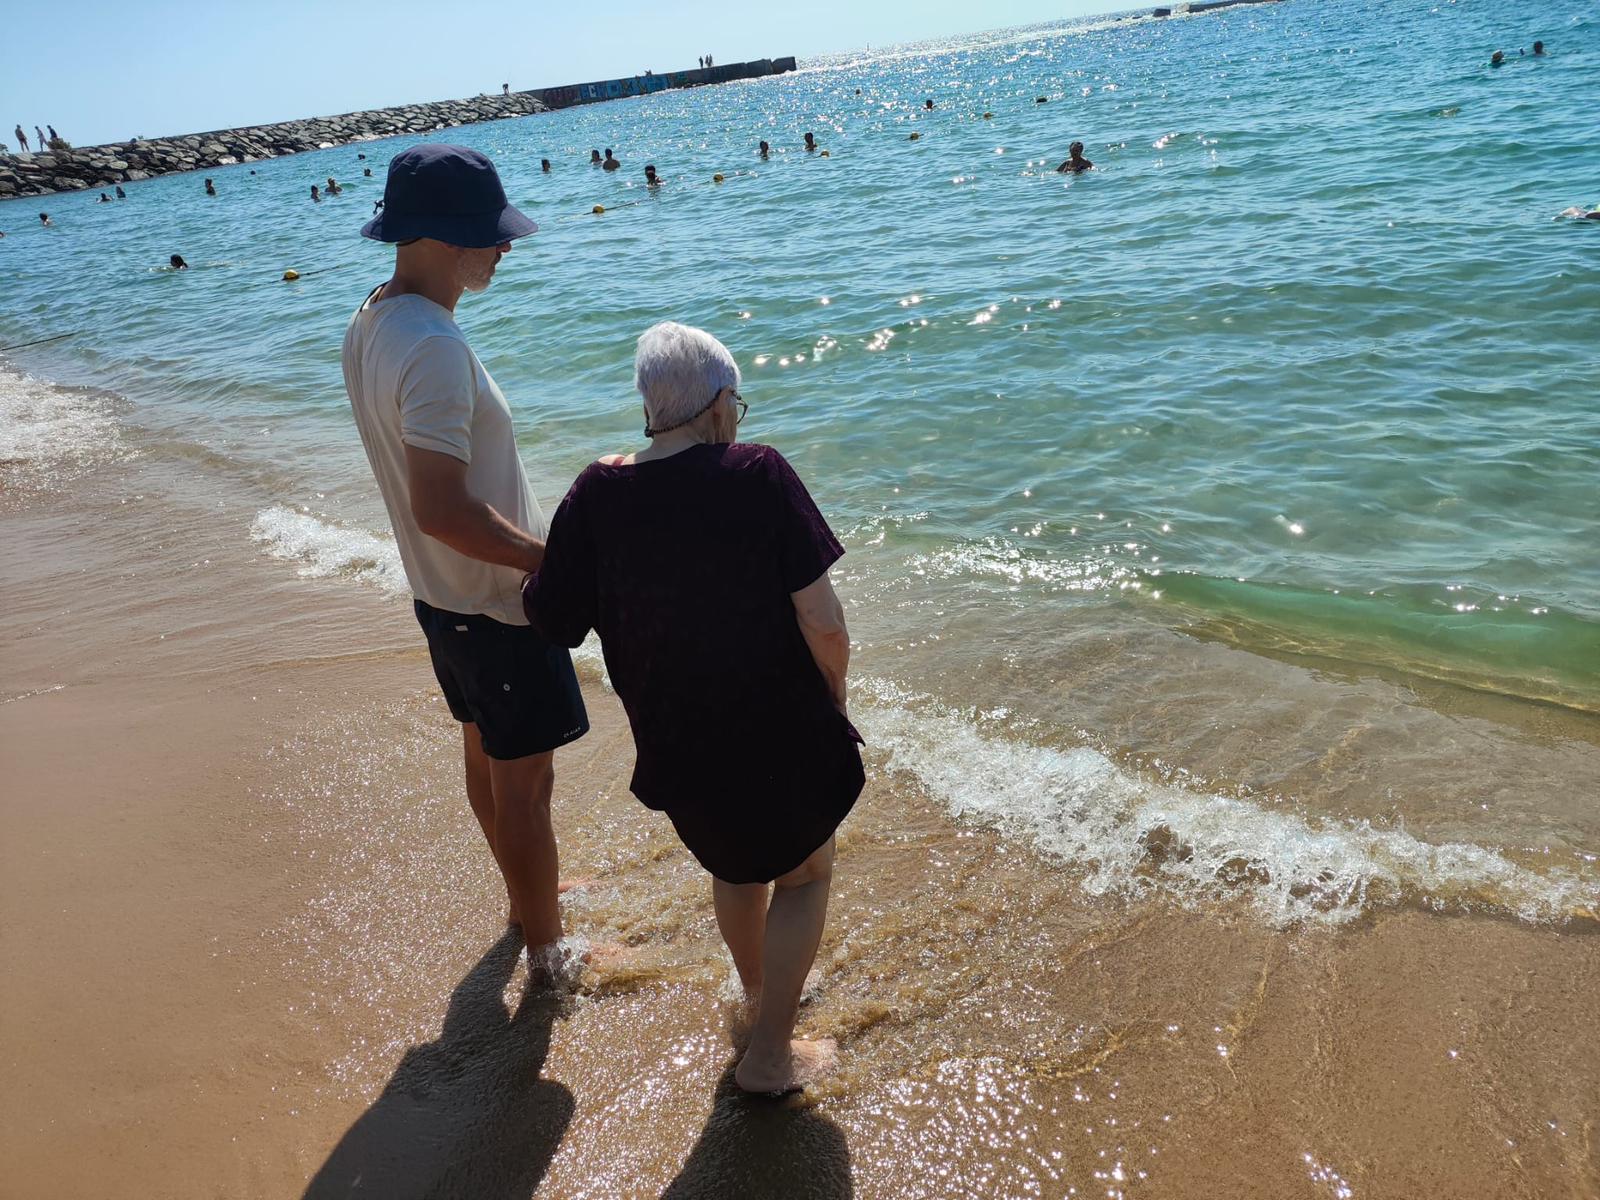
(49, 434)
(1130, 835)
(325, 550)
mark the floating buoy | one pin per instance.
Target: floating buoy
(915, 136)
(598, 209)
(717, 178)
(824, 154)
(291, 275)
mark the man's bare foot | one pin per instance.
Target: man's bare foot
(805, 1062)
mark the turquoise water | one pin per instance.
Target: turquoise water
(1311, 340)
(1306, 367)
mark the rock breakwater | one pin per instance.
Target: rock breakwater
(63, 170)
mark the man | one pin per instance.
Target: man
(610, 163)
(651, 179)
(42, 143)
(439, 436)
(1077, 162)
(22, 139)
(1538, 48)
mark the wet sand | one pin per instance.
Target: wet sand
(253, 948)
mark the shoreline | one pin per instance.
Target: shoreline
(263, 951)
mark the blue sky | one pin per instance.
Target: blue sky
(103, 72)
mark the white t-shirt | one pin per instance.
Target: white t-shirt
(414, 381)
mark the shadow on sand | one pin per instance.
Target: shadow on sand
(467, 1115)
(756, 1149)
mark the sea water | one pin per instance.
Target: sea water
(1221, 518)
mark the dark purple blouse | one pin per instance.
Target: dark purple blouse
(685, 566)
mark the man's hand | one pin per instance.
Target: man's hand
(445, 509)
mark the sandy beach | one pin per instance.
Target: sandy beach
(253, 948)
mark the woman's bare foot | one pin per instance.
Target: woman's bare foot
(791, 1069)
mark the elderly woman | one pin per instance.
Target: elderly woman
(702, 563)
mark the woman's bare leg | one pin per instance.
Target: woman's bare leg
(742, 918)
(775, 1062)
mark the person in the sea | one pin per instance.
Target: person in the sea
(651, 179)
(211, 188)
(366, 172)
(594, 158)
(44, 219)
(333, 187)
(104, 199)
(764, 150)
(811, 140)
(702, 563)
(1076, 161)
(544, 165)
(316, 195)
(121, 195)
(441, 442)
(177, 264)
(610, 163)
(928, 104)
(1538, 49)
(1497, 59)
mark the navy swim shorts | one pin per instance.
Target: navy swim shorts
(518, 689)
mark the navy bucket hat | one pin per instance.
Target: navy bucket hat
(449, 193)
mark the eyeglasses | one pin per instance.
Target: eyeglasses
(738, 401)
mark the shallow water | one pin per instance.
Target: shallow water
(1212, 517)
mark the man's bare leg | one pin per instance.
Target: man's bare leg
(775, 1062)
(524, 843)
(480, 794)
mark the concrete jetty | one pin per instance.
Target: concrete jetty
(65, 169)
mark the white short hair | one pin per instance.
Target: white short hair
(679, 370)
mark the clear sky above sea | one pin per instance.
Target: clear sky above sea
(107, 70)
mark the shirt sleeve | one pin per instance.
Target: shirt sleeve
(560, 599)
(437, 389)
(806, 546)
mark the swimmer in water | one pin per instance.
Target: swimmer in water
(316, 195)
(1579, 214)
(928, 104)
(764, 150)
(367, 172)
(121, 195)
(594, 158)
(1077, 162)
(544, 165)
(1497, 59)
(610, 164)
(177, 263)
(211, 188)
(333, 187)
(651, 179)
(1538, 49)
(104, 199)
(811, 141)
(44, 219)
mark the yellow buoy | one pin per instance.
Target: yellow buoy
(717, 178)
(824, 154)
(915, 136)
(291, 275)
(598, 209)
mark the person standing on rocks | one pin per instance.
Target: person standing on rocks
(53, 137)
(22, 139)
(441, 442)
(41, 143)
